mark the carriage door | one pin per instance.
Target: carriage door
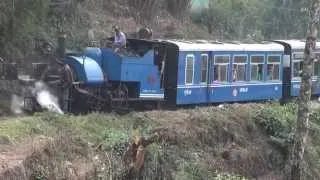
(286, 77)
(171, 75)
(204, 76)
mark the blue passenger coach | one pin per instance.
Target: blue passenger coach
(222, 72)
(292, 79)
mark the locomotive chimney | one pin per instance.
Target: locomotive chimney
(62, 46)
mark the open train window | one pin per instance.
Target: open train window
(297, 64)
(257, 63)
(273, 68)
(239, 68)
(204, 68)
(189, 71)
(221, 66)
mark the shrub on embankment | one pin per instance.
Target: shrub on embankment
(279, 122)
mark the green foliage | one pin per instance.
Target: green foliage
(26, 20)
(278, 121)
(254, 19)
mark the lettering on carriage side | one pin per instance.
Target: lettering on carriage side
(244, 90)
(296, 86)
(187, 92)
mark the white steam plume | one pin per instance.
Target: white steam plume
(45, 99)
(16, 104)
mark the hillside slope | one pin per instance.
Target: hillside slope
(249, 140)
(25, 21)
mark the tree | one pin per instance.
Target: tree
(301, 134)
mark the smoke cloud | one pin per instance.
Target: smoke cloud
(45, 99)
(17, 104)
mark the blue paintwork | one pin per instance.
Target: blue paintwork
(140, 70)
(295, 87)
(225, 93)
(133, 69)
(94, 53)
(111, 64)
(213, 92)
(87, 69)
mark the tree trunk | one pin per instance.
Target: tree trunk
(301, 134)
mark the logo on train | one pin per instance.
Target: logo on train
(151, 80)
(235, 92)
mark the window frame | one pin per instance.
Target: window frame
(273, 63)
(245, 63)
(294, 60)
(255, 63)
(225, 64)
(207, 68)
(313, 62)
(185, 68)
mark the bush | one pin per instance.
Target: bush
(278, 121)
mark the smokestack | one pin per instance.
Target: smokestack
(62, 46)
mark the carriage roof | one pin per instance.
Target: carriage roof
(218, 46)
(297, 44)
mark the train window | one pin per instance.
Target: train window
(204, 68)
(221, 73)
(297, 68)
(221, 59)
(239, 68)
(221, 68)
(189, 69)
(257, 63)
(297, 64)
(273, 68)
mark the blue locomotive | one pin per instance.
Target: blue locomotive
(180, 72)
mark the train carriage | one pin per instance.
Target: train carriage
(292, 79)
(222, 72)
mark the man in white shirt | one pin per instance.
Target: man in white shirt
(119, 39)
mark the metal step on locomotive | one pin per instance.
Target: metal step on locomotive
(172, 72)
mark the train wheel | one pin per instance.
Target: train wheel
(119, 98)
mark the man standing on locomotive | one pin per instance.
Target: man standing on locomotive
(119, 39)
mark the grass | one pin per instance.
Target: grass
(96, 128)
(19, 128)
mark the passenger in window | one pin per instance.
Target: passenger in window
(270, 72)
(234, 75)
(120, 40)
(260, 76)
